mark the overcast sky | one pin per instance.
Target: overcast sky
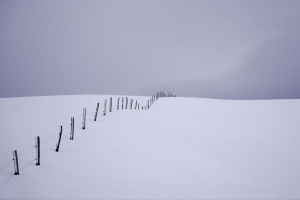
(212, 49)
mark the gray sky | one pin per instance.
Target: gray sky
(213, 49)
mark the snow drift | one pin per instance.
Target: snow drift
(180, 148)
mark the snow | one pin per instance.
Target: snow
(180, 148)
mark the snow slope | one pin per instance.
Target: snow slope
(180, 148)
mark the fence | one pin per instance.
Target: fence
(64, 128)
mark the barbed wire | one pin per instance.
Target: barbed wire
(27, 165)
(64, 128)
(6, 165)
(6, 181)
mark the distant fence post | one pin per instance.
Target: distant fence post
(37, 146)
(104, 111)
(148, 104)
(135, 104)
(72, 129)
(95, 118)
(131, 103)
(126, 103)
(122, 102)
(138, 106)
(110, 104)
(84, 118)
(15, 158)
(59, 138)
(118, 104)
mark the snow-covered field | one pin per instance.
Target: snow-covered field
(180, 148)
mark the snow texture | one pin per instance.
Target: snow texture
(179, 148)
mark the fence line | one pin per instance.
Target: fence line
(155, 97)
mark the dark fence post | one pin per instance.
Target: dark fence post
(135, 104)
(59, 138)
(104, 111)
(118, 104)
(72, 129)
(110, 104)
(84, 118)
(131, 103)
(95, 118)
(126, 103)
(122, 102)
(37, 146)
(15, 158)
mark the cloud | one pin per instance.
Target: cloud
(271, 71)
(139, 47)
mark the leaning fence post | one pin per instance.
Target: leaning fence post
(148, 104)
(126, 103)
(15, 158)
(110, 105)
(72, 129)
(84, 118)
(135, 104)
(104, 111)
(95, 118)
(59, 138)
(118, 104)
(131, 103)
(37, 146)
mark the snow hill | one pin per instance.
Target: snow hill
(180, 148)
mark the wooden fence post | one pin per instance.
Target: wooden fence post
(138, 106)
(148, 104)
(59, 138)
(84, 118)
(72, 129)
(131, 103)
(37, 146)
(135, 104)
(15, 158)
(95, 117)
(104, 111)
(110, 104)
(118, 104)
(122, 102)
(126, 103)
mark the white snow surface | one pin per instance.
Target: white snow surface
(180, 148)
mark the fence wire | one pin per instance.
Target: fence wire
(63, 128)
